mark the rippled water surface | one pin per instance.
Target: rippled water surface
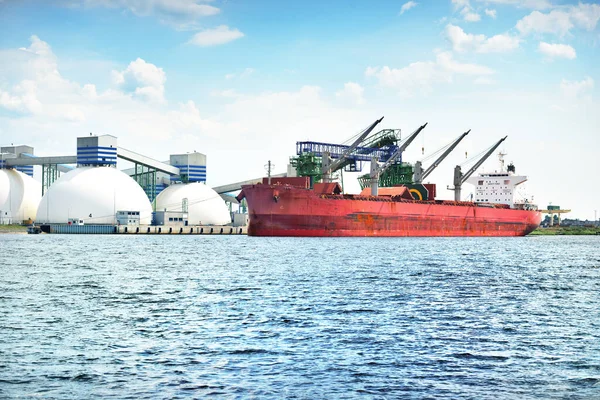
(240, 317)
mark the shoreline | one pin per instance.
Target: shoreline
(566, 231)
(13, 229)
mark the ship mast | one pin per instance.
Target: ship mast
(460, 178)
(501, 159)
(329, 167)
(377, 170)
(420, 175)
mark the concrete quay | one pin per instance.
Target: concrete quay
(143, 229)
(182, 230)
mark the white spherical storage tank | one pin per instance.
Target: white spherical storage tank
(93, 194)
(20, 195)
(205, 206)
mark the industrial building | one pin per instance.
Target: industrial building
(94, 195)
(9, 152)
(20, 195)
(202, 204)
(84, 192)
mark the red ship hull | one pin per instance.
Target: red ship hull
(284, 210)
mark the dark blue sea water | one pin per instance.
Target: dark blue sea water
(131, 317)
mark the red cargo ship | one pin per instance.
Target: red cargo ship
(287, 210)
(290, 207)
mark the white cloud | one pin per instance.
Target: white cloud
(143, 79)
(461, 3)
(37, 76)
(466, 10)
(40, 48)
(586, 16)
(214, 37)
(187, 120)
(281, 118)
(490, 13)
(245, 73)
(447, 63)
(532, 4)
(352, 92)
(418, 75)
(407, 6)
(89, 91)
(557, 22)
(576, 89)
(463, 42)
(472, 17)
(557, 50)
(560, 22)
(23, 99)
(52, 106)
(424, 74)
(181, 13)
(41, 108)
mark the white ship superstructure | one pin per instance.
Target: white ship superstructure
(498, 187)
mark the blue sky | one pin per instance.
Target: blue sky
(242, 81)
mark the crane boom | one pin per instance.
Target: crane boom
(400, 150)
(327, 169)
(460, 178)
(377, 170)
(441, 158)
(481, 161)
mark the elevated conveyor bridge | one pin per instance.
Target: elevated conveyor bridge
(148, 162)
(233, 187)
(145, 167)
(381, 145)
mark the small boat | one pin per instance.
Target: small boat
(32, 229)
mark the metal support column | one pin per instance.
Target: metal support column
(146, 178)
(153, 185)
(49, 175)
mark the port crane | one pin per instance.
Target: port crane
(329, 167)
(420, 175)
(377, 170)
(310, 155)
(460, 178)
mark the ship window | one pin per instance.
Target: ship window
(480, 183)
